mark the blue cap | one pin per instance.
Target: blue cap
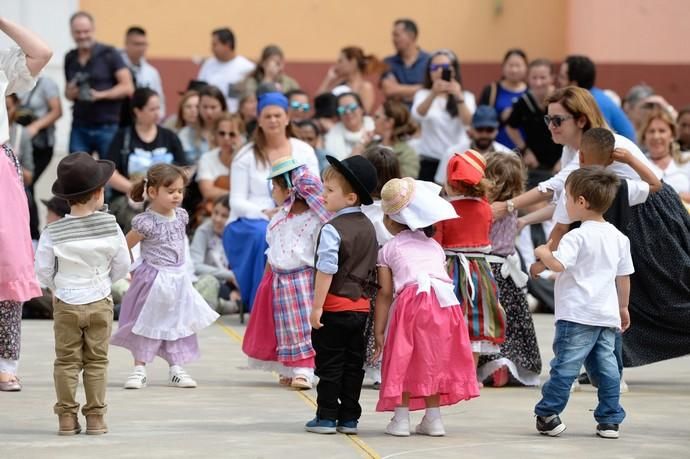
(485, 117)
(272, 98)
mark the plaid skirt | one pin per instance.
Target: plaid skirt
(293, 296)
(476, 288)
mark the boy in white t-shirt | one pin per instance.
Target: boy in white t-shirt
(591, 302)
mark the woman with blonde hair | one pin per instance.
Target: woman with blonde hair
(658, 135)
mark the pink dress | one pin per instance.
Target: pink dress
(17, 278)
(427, 349)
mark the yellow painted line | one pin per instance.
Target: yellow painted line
(363, 448)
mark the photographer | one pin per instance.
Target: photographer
(97, 81)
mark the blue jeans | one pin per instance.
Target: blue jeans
(573, 344)
(92, 138)
(618, 351)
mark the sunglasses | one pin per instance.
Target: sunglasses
(231, 134)
(434, 67)
(349, 108)
(294, 105)
(556, 120)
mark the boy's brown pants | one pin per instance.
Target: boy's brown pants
(82, 332)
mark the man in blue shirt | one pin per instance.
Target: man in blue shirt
(580, 71)
(407, 68)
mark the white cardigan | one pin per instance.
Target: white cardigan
(250, 189)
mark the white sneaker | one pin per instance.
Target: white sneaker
(575, 387)
(624, 387)
(137, 380)
(399, 427)
(433, 427)
(180, 378)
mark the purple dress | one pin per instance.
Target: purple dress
(162, 250)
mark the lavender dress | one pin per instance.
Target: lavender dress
(161, 311)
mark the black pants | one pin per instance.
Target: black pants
(340, 349)
(42, 157)
(427, 168)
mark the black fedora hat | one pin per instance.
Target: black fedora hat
(360, 173)
(79, 173)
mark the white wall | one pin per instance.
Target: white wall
(50, 20)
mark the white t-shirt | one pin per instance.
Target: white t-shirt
(440, 176)
(226, 75)
(210, 167)
(675, 175)
(250, 192)
(638, 191)
(593, 255)
(339, 142)
(439, 130)
(570, 160)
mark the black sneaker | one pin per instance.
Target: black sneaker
(607, 430)
(550, 425)
(583, 378)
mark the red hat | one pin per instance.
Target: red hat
(467, 167)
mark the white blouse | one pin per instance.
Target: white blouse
(250, 190)
(339, 142)
(439, 130)
(292, 240)
(15, 77)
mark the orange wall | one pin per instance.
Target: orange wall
(314, 30)
(640, 31)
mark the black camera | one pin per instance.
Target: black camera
(81, 79)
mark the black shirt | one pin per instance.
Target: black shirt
(528, 116)
(132, 156)
(98, 73)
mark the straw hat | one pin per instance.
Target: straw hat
(415, 203)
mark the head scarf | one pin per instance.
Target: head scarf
(309, 187)
(272, 98)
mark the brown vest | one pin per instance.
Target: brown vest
(356, 276)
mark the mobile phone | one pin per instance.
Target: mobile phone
(445, 74)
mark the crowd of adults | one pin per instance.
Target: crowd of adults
(413, 102)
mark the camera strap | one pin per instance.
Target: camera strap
(31, 94)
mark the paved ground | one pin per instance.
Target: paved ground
(237, 412)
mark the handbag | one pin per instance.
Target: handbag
(25, 114)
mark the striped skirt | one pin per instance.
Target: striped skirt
(475, 286)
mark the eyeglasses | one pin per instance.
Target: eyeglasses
(300, 106)
(349, 108)
(231, 134)
(556, 120)
(434, 67)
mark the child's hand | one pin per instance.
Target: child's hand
(536, 269)
(625, 319)
(621, 155)
(315, 318)
(544, 250)
(378, 348)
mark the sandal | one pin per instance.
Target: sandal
(301, 382)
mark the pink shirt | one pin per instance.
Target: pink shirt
(411, 253)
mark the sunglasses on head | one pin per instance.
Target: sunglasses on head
(231, 134)
(304, 107)
(434, 67)
(556, 120)
(349, 108)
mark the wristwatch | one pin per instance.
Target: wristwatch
(510, 205)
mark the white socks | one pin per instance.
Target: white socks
(175, 369)
(433, 413)
(402, 413)
(140, 369)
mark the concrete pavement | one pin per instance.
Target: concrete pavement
(236, 412)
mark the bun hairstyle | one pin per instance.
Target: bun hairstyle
(157, 176)
(507, 175)
(366, 63)
(404, 126)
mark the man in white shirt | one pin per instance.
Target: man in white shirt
(226, 68)
(591, 295)
(145, 75)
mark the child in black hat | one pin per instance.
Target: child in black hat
(78, 258)
(345, 265)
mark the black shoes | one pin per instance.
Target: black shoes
(550, 425)
(607, 430)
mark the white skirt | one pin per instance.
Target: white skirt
(173, 308)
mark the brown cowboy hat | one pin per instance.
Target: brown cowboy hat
(79, 173)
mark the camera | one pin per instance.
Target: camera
(81, 79)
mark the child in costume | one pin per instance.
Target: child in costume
(278, 335)
(161, 311)
(427, 355)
